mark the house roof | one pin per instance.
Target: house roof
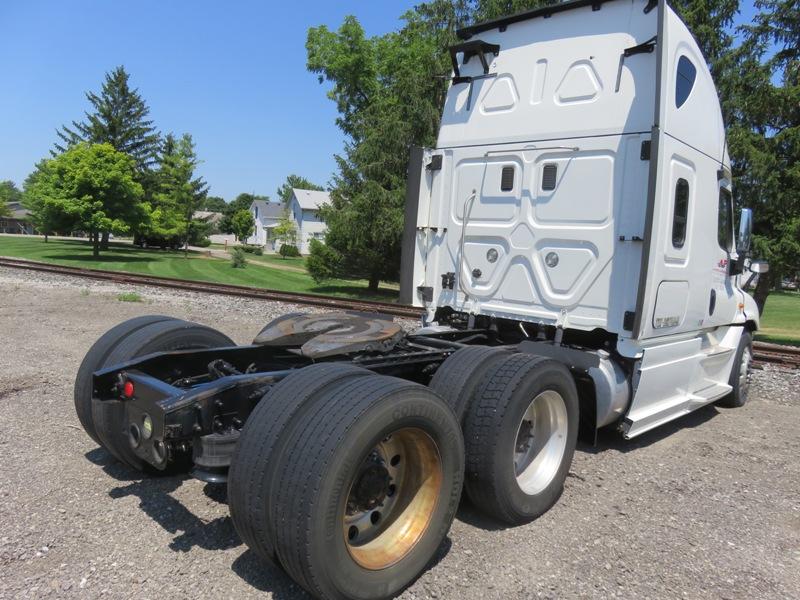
(311, 199)
(207, 215)
(18, 211)
(267, 210)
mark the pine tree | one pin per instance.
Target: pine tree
(118, 118)
(763, 107)
(179, 193)
(295, 181)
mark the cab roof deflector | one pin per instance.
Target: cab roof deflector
(546, 11)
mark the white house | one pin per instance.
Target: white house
(304, 209)
(266, 216)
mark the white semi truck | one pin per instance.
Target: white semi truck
(570, 242)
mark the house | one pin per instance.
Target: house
(266, 216)
(304, 210)
(18, 222)
(210, 217)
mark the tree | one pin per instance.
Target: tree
(761, 98)
(90, 187)
(286, 229)
(9, 192)
(295, 181)
(389, 91)
(119, 118)
(242, 224)
(241, 202)
(214, 204)
(179, 193)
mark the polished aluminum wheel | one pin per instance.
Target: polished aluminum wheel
(541, 442)
(392, 498)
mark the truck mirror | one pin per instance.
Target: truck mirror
(759, 266)
(745, 231)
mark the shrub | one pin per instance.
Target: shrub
(238, 258)
(203, 242)
(289, 251)
(257, 250)
(323, 262)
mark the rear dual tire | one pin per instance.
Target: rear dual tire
(520, 435)
(520, 419)
(357, 483)
(105, 421)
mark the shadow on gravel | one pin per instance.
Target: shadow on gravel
(174, 517)
(266, 577)
(610, 439)
(467, 513)
(155, 500)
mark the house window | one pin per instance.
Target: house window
(684, 81)
(681, 213)
(725, 220)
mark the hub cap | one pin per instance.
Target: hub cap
(392, 498)
(541, 442)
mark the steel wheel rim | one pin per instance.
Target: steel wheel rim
(744, 371)
(541, 442)
(405, 505)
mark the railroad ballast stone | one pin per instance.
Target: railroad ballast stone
(706, 507)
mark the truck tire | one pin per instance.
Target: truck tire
(262, 442)
(459, 376)
(740, 373)
(162, 336)
(94, 360)
(367, 489)
(520, 435)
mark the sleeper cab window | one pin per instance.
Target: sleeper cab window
(684, 80)
(725, 221)
(681, 213)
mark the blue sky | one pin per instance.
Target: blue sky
(233, 74)
(230, 73)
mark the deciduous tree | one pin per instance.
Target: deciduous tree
(89, 187)
(242, 224)
(286, 229)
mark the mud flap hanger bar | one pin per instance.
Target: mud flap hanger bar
(477, 48)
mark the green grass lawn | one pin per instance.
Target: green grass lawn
(198, 267)
(780, 323)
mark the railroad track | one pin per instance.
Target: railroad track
(775, 354)
(332, 302)
(763, 353)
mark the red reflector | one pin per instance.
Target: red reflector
(127, 389)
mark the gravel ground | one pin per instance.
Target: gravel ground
(706, 507)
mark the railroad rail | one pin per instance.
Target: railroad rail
(776, 354)
(763, 353)
(332, 302)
